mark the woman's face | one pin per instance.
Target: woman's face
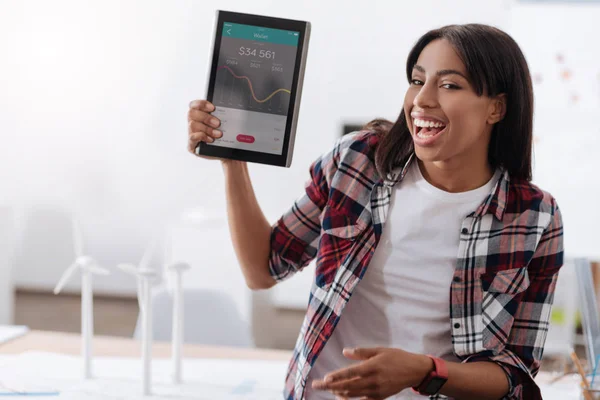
(449, 123)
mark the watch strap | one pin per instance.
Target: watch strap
(440, 371)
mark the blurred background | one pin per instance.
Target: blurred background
(93, 103)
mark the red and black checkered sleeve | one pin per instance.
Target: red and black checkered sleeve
(295, 236)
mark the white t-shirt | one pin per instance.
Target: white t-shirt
(403, 300)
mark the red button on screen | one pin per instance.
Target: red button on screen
(245, 138)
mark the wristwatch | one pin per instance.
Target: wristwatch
(434, 381)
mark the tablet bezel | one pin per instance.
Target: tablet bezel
(303, 28)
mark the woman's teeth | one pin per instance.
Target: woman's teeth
(428, 124)
(428, 128)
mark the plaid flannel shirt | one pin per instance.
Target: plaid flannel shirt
(509, 255)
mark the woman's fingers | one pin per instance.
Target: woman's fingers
(203, 105)
(202, 126)
(195, 127)
(203, 117)
(196, 137)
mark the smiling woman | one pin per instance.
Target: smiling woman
(436, 258)
(485, 98)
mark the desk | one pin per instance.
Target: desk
(51, 364)
(106, 346)
(69, 344)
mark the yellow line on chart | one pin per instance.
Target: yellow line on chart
(251, 88)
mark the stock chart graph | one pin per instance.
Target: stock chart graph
(254, 75)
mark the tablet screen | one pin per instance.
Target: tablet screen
(252, 88)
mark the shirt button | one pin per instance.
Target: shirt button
(457, 325)
(465, 231)
(457, 279)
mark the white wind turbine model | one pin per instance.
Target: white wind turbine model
(87, 266)
(178, 307)
(144, 276)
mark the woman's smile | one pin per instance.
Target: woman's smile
(426, 129)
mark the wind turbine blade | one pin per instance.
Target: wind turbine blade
(65, 277)
(179, 266)
(148, 252)
(129, 268)
(133, 270)
(98, 270)
(77, 238)
(140, 295)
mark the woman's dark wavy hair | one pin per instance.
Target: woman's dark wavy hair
(495, 65)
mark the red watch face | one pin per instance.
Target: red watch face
(434, 385)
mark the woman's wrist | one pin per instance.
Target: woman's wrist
(423, 366)
(233, 165)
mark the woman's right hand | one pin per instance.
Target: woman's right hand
(202, 126)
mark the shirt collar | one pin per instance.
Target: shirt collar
(497, 200)
(494, 203)
(398, 173)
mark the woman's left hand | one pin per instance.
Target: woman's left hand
(382, 372)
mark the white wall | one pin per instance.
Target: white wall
(564, 57)
(94, 99)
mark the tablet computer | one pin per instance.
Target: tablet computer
(255, 83)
